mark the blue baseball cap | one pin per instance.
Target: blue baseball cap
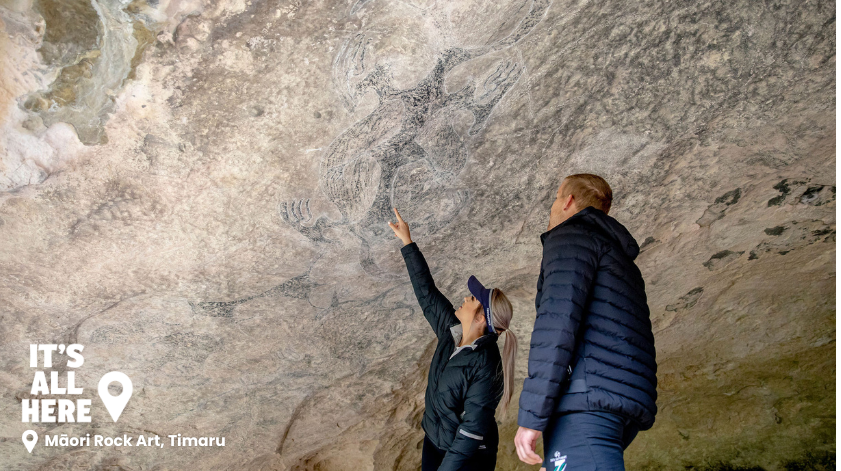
(484, 296)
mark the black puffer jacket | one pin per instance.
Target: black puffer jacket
(593, 318)
(463, 392)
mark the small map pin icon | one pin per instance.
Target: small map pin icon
(115, 404)
(30, 438)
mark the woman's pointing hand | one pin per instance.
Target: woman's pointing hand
(401, 229)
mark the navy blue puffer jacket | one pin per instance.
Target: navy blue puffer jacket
(593, 322)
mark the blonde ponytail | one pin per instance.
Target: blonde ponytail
(502, 314)
(509, 353)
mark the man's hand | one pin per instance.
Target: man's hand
(401, 229)
(525, 441)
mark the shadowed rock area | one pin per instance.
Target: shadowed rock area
(198, 192)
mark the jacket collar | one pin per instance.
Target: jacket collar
(596, 220)
(456, 331)
(577, 216)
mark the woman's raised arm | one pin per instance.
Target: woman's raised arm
(437, 309)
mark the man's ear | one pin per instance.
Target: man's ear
(570, 200)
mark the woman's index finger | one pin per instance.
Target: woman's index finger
(398, 214)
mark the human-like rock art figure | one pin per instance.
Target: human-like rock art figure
(406, 152)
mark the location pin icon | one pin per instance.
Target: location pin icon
(30, 438)
(115, 404)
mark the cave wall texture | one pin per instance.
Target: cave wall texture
(197, 191)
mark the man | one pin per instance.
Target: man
(592, 372)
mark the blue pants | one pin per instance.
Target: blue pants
(587, 441)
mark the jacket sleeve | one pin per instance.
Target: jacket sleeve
(570, 263)
(437, 309)
(483, 395)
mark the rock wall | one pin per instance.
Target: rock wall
(198, 192)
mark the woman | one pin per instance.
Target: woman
(467, 375)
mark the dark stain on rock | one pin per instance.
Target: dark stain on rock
(687, 300)
(729, 198)
(716, 210)
(824, 231)
(719, 259)
(648, 241)
(784, 188)
(818, 195)
(793, 236)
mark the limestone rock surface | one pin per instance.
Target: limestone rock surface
(197, 191)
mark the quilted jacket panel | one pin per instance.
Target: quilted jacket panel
(592, 347)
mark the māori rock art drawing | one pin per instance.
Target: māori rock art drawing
(406, 153)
